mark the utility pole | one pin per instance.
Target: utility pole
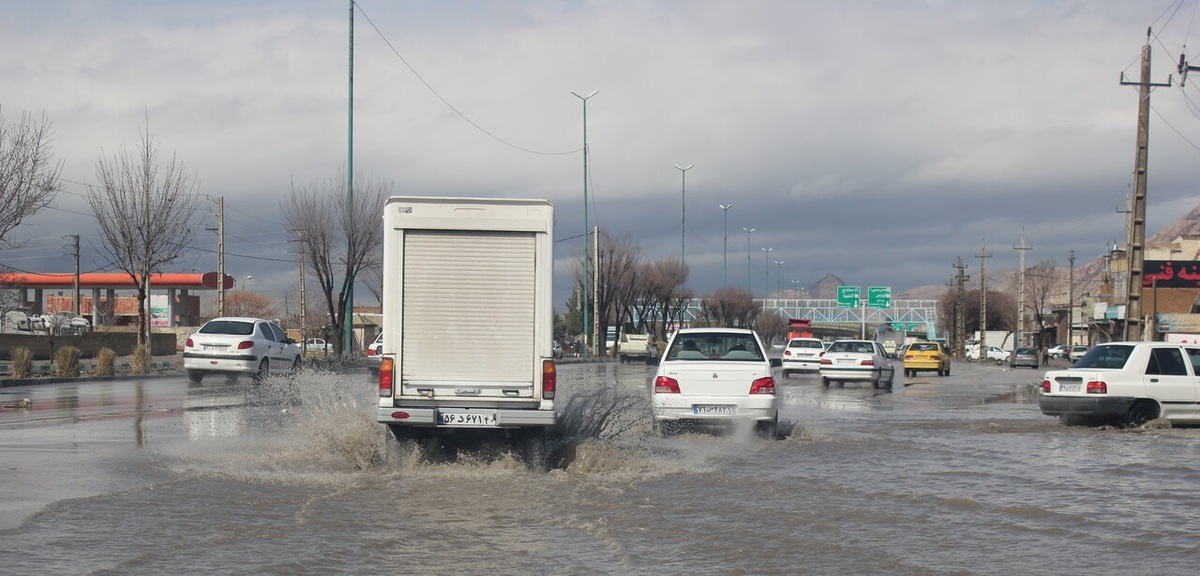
(302, 253)
(983, 256)
(220, 230)
(75, 306)
(1137, 230)
(683, 212)
(960, 308)
(1021, 295)
(1071, 301)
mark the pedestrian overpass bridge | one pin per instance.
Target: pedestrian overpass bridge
(910, 316)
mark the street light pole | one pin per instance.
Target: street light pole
(778, 277)
(683, 213)
(725, 244)
(766, 273)
(748, 231)
(583, 304)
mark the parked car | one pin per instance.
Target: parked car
(857, 360)
(1077, 352)
(802, 355)
(1025, 357)
(236, 345)
(715, 376)
(1128, 382)
(318, 345)
(1059, 351)
(925, 356)
(994, 353)
(375, 353)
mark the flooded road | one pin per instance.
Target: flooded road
(954, 475)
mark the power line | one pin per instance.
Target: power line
(447, 103)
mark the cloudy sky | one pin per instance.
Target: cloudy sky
(873, 140)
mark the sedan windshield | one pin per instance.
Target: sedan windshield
(231, 327)
(715, 346)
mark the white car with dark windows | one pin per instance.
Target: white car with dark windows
(802, 355)
(715, 376)
(235, 346)
(858, 361)
(1127, 382)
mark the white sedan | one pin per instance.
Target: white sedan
(715, 376)
(858, 361)
(234, 346)
(802, 355)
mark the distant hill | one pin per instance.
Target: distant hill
(825, 288)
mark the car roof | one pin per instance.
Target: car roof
(683, 331)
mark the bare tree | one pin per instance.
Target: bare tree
(618, 268)
(338, 243)
(144, 211)
(1001, 310)
(1042, 280)
(28, 175)
(770, 325)
(666, 284)
(730, 308)
(250, 304)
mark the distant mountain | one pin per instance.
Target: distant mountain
(825, 288)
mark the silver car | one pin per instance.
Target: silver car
(235, 346)
(858, 361)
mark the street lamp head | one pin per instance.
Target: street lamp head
(689, 167)
(584, 97)
(748, 230)
(725, 206)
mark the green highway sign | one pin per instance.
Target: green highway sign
(878, 297)
(848, 296)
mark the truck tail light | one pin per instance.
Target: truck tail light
(1045, 386)
(763, 386)
(664, 385)
(385, 376)
(1097, 387)
(549, 379)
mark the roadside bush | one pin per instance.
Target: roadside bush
(22, 362)
(66, 362)
(106, 358)
(141, 360)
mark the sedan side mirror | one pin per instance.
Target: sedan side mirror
(776, 362)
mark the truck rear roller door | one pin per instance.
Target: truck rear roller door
(469, 302)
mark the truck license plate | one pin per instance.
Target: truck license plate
(466, 419)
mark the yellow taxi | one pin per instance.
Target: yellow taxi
(926, 356)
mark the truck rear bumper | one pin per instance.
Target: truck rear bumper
(465, 417)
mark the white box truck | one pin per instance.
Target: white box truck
(467, 317)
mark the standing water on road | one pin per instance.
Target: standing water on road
(941, 475)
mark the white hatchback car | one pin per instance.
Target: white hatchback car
(858, 361)
(715, 376)
(234, 346)
(802, 355)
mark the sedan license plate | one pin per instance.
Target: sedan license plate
(846, 360)
(1069, 387)
(714, 409)
(466, 419)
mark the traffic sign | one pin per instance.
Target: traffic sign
(879, 296)
(848, 296)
